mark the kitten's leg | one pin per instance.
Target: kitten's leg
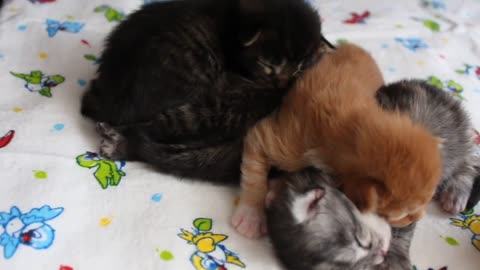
(113, 144)
(398, 255)
(249, 217)
(454, 192)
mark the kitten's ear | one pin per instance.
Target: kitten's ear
(363, 193)
(250, 40)
(304, 206)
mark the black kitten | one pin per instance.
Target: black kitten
(180, 82)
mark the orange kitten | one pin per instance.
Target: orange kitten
(330, 120)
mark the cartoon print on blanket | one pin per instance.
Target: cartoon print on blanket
(42, 1)
(413, 44)
(430, 24)
(93, 58)
(110, 13)
(449, 85)
(27, 229)
(209, 253)
(107, 173)
(470, 69)
(7, 138)
(471, 221)
(436, 4)
(54, 26)
(358, 18)
(36, 81)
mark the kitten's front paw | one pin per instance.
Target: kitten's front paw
(112, 146)
(453, 201)
(249, 221)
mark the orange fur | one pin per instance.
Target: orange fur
(384, 162)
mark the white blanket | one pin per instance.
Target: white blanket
(62, 207)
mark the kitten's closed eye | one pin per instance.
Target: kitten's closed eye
(364, 243)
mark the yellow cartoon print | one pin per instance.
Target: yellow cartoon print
(209, 253)
(471, 221)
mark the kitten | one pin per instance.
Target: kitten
(445, 117)
(180, 82)
(312, 225)
(384, 162)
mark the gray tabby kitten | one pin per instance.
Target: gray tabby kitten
(445, 117)
(314, 226)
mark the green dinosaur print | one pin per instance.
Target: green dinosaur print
(110, 13)
(107, 173)
(36, 81)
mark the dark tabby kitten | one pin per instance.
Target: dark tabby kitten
(313, 226)
(441, 113)
(180, 82)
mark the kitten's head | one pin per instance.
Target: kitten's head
(278, 39)
(398, 175)
(314, 226)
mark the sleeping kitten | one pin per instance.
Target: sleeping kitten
(425, 104)
(312, 226)
(445, 117)
(180, 82)
(385, 163)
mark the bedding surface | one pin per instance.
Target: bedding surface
(64, 207)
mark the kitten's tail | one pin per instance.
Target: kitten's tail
(218, 163)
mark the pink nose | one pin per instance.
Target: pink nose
(383, 252)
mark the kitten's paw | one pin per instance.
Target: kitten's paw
(249, 221)
(112, 146)
(107, 132)
(108, 149)
(453, 202)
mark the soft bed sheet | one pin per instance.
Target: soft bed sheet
(63, 207)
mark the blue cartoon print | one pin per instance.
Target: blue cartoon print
(27, 229)
(413, 44)
(54, 26)
(437, 4)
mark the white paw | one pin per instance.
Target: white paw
(249, 221)
(107, 148)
